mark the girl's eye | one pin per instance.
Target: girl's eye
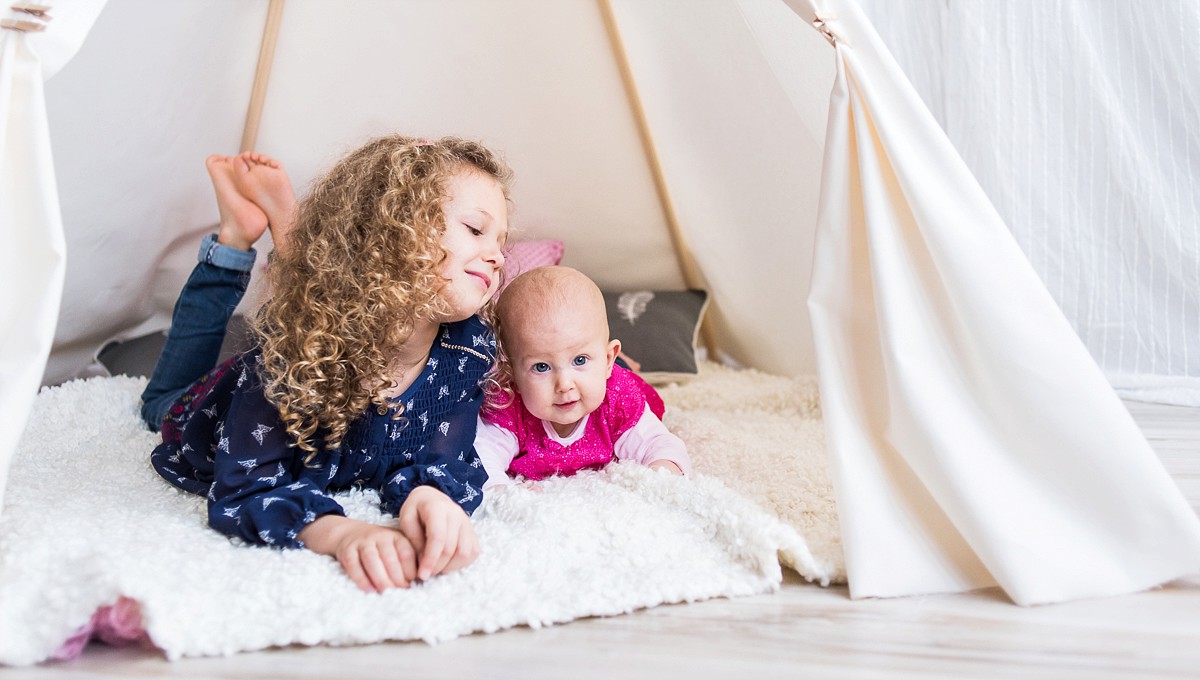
(580, 360)
(474, 231)
(541, 367)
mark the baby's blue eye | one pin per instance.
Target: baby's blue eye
(580, 360)
(541, 367)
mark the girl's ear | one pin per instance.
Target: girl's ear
(614, 348)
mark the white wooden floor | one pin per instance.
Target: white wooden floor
(802, 631)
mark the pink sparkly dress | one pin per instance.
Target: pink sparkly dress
(513, 442)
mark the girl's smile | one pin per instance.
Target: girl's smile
(476, 229)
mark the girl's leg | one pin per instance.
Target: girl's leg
(198, 325)
(208, 298)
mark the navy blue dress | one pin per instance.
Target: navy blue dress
(225, 441)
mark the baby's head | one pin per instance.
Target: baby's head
(553, 335)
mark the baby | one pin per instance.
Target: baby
(559, 404)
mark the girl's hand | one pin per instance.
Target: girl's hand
(375, 557)
(439, 530)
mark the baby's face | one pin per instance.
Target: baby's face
(560, 362)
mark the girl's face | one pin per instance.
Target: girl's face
(560, 362)
(476, 228)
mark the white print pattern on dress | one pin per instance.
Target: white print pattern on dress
(232, 512)
(470, 494)
(259, 432)
(332, 470)
(269, 500)
(249, 464)
(444, 428)
(273, 479)
(443, 391)
(266, 537)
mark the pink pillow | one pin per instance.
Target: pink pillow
(521, 256)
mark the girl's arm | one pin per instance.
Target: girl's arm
(433, 496)
(650, 443)
(255, 494)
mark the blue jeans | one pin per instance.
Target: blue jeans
(198, 326)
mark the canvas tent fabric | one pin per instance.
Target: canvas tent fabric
(919, 353)
(33, 265)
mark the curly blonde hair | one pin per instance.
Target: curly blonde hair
(360, 270)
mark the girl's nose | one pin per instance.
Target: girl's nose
(495, 254)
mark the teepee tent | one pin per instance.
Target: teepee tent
(794, 173)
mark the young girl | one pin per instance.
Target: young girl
(368, 362)
(561, 405)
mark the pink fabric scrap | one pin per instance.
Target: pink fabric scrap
(117, 624)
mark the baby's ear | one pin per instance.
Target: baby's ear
(614, 348)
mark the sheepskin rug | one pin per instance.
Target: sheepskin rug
(87, 523)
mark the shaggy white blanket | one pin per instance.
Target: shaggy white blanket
(87, 520)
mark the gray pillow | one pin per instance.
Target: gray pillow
(137, 356)
(658, 329)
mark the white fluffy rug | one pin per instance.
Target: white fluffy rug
(86, 521)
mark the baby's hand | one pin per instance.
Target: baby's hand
(439, 530)
(665, 465)
(375, 557)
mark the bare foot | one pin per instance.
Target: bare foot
(262, 179)
(242, 222)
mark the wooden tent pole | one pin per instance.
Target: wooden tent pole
(683, 255)
(262, 75)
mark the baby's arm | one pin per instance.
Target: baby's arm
(650, 443)
(496, 447)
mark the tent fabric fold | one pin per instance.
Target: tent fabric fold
(33, 259)
(974, 440)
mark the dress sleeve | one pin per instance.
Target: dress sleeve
(254, 494)
(496, 447)
(447, 462)
(649, 440)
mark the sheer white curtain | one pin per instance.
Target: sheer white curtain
(1081, 120)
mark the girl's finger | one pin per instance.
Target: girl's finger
(435, 539)
(373, 565)
(389, 555)
(449, 548)
(468, 549)
(353, 568)
(407, 557)
(411, 527)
